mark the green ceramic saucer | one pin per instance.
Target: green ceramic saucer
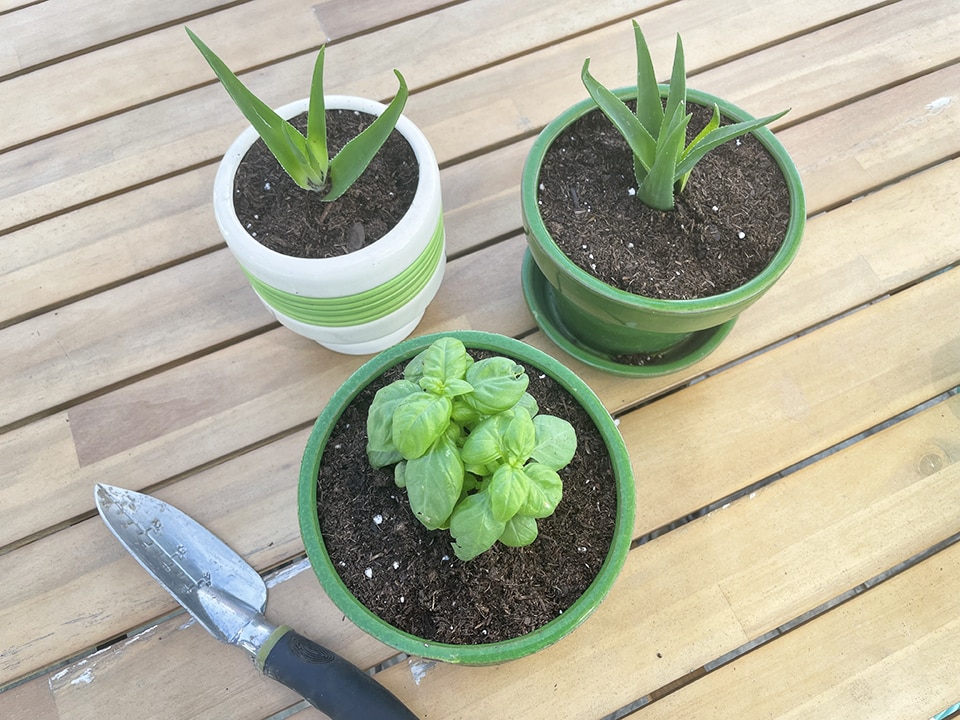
(539, 296)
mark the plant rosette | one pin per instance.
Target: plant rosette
(362, 302)
(478, 652)
(600, 324)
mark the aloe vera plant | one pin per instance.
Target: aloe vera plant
(305, 158)
(656, 134)
(470, 447)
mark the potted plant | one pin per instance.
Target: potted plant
(651, 225)
(465, 497)
(346, 250)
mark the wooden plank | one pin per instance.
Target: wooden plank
(64, 354)
(226, 403)
(704, 467)
(103, 244)
(197, 126)
(80, 27)
(88, 87)
(719, 430)
(33, 351)
(193, 414)
(531, 91)
(249, 502)
(889, 653)
(345, 18)
(789, 530)
(661, 620)
(849, 257)
(882, 146)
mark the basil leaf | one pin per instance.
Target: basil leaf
(414, 369)
(464, 413)
(434, 482)
(418, 421)
(556, 441)
(482, 445)
(520, 531)
(529, 403)
(381, 450)
(473, 526)
(544, 492)
(498, 384)
(508, 490)
(455, 387)
(445, 359)
(518, 436)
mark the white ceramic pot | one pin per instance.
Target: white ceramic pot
(362, 302)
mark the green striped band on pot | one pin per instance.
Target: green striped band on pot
(362, 307)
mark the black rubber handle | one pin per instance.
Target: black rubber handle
(327, 681)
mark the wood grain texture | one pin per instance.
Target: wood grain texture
(680, 599)
(80, 27)
(671, 601)
(888, 654)
(197, 126)
(135, 353)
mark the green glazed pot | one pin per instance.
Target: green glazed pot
(597, 322)
(481, 654)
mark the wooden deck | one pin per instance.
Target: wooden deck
(798, 491)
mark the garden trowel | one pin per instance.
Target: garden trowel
(227, 597)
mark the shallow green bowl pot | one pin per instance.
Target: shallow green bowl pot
(598, 323)
(481, 654)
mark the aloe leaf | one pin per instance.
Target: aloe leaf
(656, 190)
(282, 139)
(641, 142)
(714, 123)
(677, 94)
(649, 105)
(718, 137)
(355, 156)
(317, 120)
(707, 129)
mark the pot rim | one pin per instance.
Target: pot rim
(534, 225)
(489, 653)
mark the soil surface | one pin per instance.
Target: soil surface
(290, 220)
(725, 228)
(409, 575)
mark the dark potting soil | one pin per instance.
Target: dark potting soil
(726, 225)
(290, 220)
(410, 577)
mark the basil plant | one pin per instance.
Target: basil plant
(305, 158)
(662, 160)
(470, 447)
